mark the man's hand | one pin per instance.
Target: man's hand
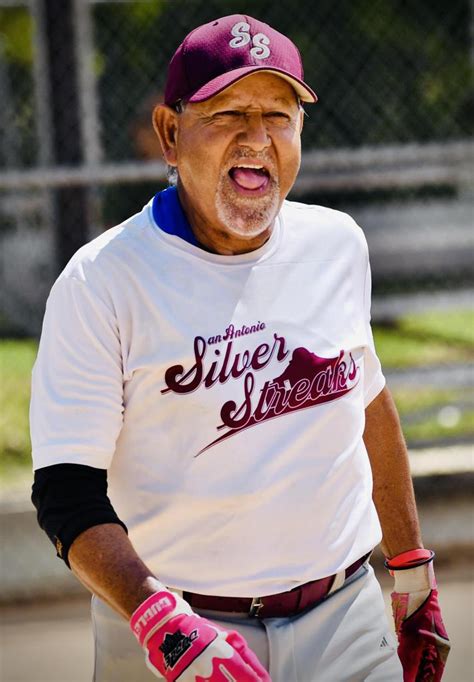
(179, 643)
(423, 640)
(423, 644)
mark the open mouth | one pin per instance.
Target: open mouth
(250, 177)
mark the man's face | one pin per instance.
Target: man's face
(238, 155)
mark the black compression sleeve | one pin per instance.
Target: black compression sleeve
(70, 498)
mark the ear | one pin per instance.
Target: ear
(302, 114)
(165, 123)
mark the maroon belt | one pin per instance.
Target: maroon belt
(281, 605)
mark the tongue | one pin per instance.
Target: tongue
(249, 178)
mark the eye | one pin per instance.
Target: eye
(278, 117)
(231, 113)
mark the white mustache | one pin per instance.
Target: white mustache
(243, 155)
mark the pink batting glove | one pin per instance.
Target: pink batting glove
(423, 641)
(180, 644)
(423, 644)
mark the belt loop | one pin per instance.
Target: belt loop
(255, 607)
(338, 582)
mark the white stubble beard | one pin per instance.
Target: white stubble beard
(246, 216)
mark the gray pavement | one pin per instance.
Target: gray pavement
(452, 376)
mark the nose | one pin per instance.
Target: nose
(254, 134)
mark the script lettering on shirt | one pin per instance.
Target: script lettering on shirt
(307, 379)
(231, 332)
(286, 394)
(228, 364)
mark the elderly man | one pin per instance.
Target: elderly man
(211, 362)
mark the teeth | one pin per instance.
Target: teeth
(243, 165)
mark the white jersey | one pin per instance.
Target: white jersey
(224, 394)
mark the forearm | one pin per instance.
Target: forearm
(393, 493)
(105, 561)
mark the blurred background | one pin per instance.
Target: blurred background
(390, 141)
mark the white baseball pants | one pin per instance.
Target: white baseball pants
(346, 638)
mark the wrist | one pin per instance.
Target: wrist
(412, 571)
(415, 579)
(155, 611)
(409, 559)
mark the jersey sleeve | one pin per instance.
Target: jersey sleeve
(374, 380)
(77, 386)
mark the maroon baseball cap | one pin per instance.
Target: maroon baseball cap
(222, 52)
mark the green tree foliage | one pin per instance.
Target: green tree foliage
(386, 71)
(16, 85)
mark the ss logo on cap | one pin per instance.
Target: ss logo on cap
(242, 37)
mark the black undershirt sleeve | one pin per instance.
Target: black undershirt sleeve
(69, 499)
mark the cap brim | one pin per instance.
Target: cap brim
(225, 80)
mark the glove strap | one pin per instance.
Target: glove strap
(410, 559)
(151, 614)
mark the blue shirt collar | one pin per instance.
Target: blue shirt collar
(169, 216)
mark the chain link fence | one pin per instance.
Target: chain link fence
(390, 141)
